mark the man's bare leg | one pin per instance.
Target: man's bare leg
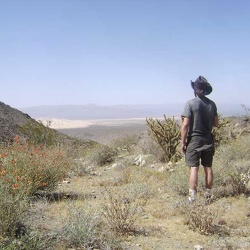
(208, 182)
(193, 180)
(208, 177)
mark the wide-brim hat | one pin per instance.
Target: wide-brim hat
(201, 86)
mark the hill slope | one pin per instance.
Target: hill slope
(11, 120)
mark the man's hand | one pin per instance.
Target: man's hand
(183, 148)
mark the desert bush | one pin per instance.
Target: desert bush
(167, 134)
(203, 219)
(227, 244)
(120, 212)
(148, 146)
(127, 144)
(139, 191)
(80, 167)
(29, 168)
(29, 241)
(232, 168)
(125, 175)
(13, 208)
(178, 179)
(84, 228)
(231, 128)
(37, 133)
(239, 179)
(101, 155)
(24, 170)
(138, 185)
(233, 181)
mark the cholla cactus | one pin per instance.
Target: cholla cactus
(223, 133)
(167, 134)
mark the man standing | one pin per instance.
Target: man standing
(198, 118)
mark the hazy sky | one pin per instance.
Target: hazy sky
(110, 52)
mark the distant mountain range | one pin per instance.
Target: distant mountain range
(91, 111)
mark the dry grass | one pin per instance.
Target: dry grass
(121, 211)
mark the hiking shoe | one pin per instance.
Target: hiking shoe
(191, 199)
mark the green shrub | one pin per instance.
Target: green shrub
(139, 191)
(24, 170)
(102, 155)
(29, 168)
(178, 179)
(13, 208)
(84, 228)
(232, 168)
(29, 241)
(37, 133)
(149, 146)
(127, 144)
(239, 179)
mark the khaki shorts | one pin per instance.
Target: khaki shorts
(199, 150)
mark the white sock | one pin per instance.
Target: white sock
(192, 193)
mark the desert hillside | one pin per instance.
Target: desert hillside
(14, 122)
(11, 120)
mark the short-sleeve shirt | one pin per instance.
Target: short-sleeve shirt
(201, 112)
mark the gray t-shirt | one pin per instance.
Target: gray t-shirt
(201, 112)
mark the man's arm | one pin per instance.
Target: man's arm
(216, 121)
(184, 133)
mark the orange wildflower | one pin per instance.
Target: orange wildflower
(4, 155)
(18, 178)
(17, 139)
(14, 186)
(2, 172)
